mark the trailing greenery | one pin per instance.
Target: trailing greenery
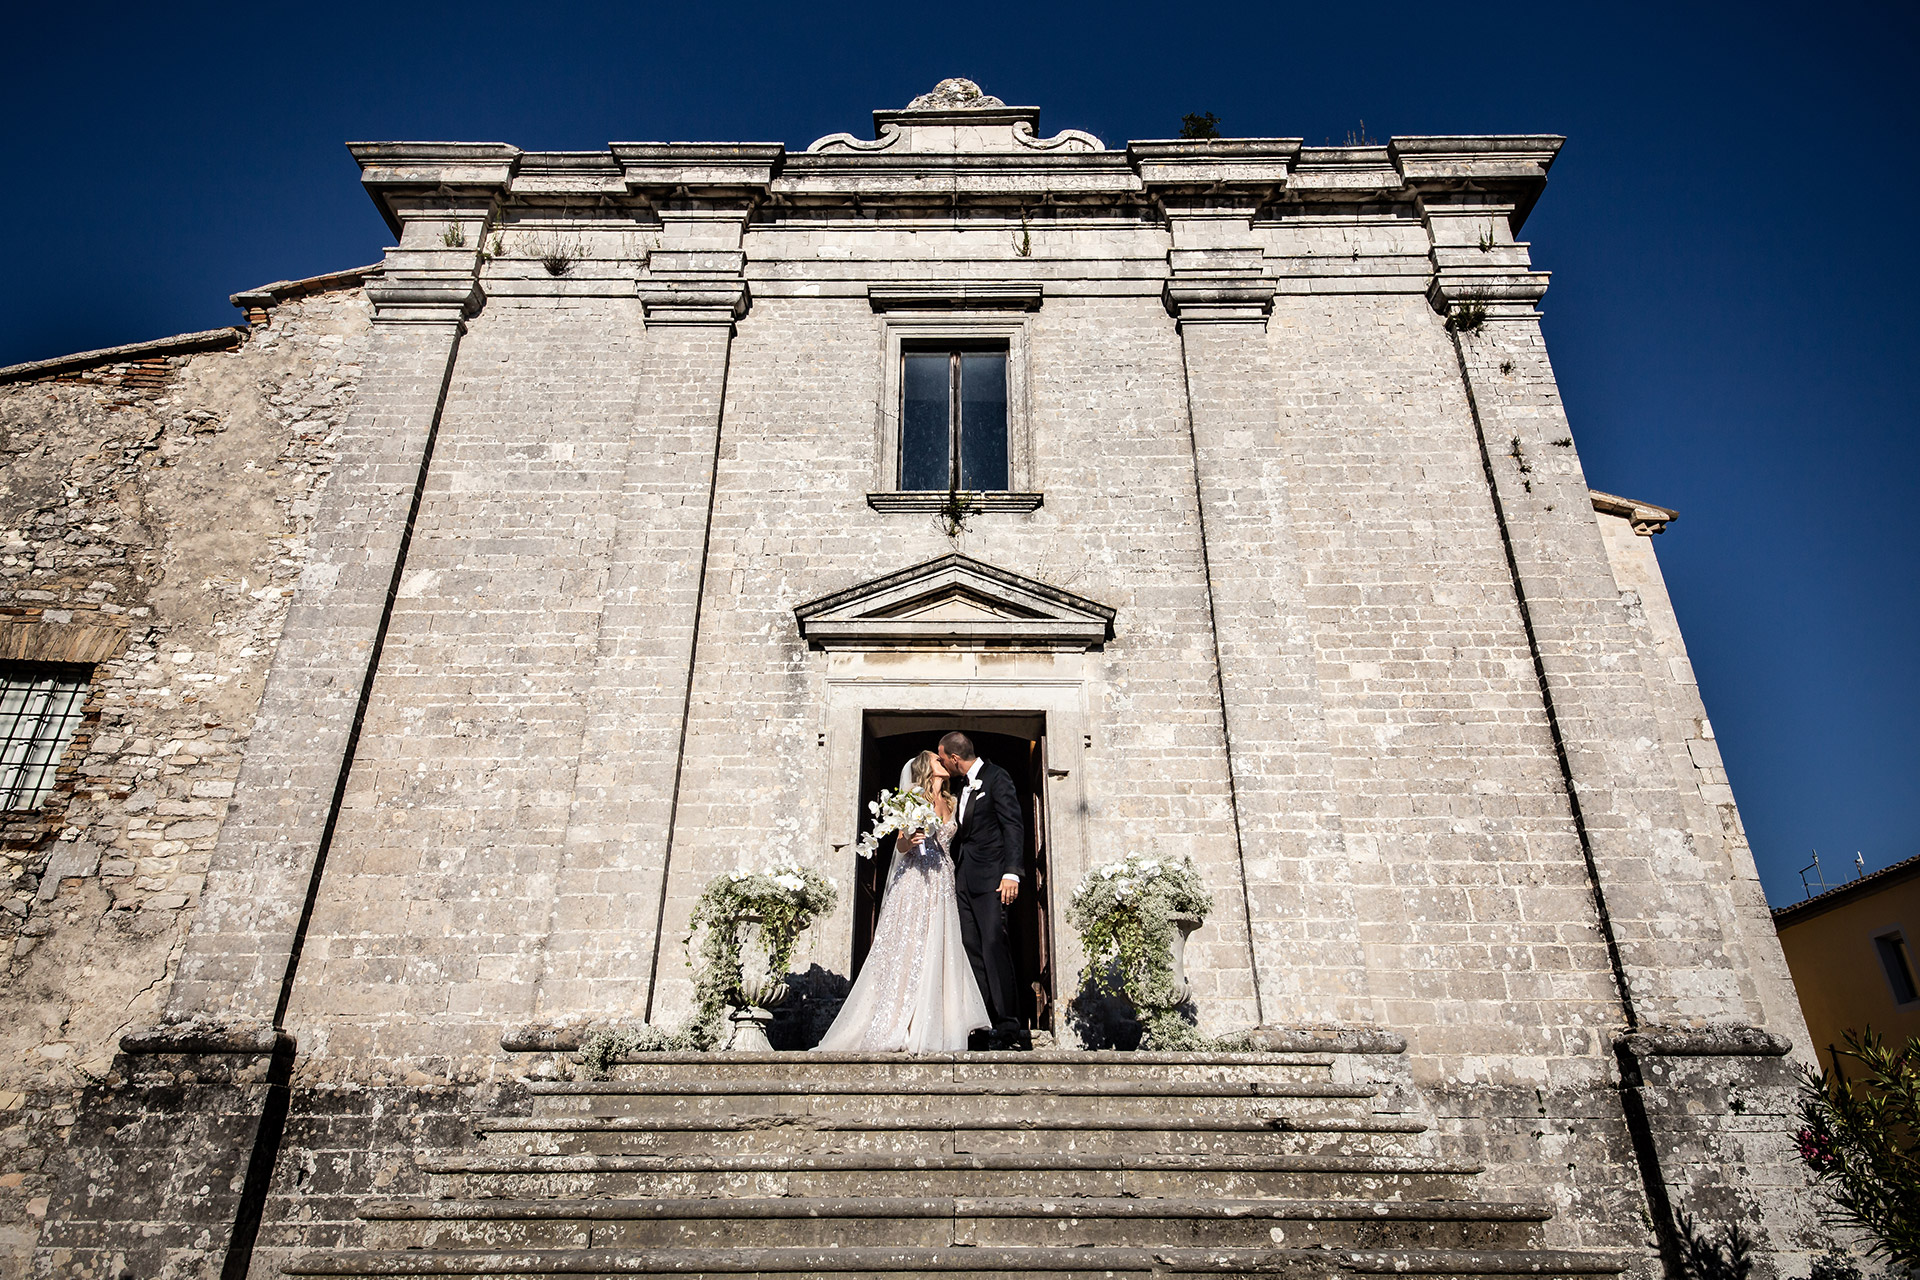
(1124, 912)
(1861, 1139)
(785, 901)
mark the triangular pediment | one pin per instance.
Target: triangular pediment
(954, 601)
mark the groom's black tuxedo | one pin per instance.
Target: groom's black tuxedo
(991, 842)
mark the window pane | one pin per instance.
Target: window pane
(924, 447)
(983, 420)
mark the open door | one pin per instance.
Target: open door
(1017, 743)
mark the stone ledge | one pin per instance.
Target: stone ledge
(1269, 1041)
(1704, 1042)
(963, 1262)
(956, 295)
(268, 296)
(1326, 1040)
(935, 500)
(546, 1037)
(1646, 518)
(208, 1036)
(178, 345)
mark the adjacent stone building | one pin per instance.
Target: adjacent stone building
(404, 662)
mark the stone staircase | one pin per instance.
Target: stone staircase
(1051, 1164)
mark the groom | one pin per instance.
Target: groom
(988, 857)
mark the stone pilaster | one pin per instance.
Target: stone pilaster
(1299, 894)
(605, 957)
(245, 940)
(1702, 1086)
(1663, 900)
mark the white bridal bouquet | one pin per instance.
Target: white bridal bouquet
(900, 811)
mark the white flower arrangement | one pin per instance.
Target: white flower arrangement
(1124, 912)
(899, 811)
(782, 901)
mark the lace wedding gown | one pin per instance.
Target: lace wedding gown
(916, 992)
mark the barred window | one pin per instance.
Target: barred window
(40, 706)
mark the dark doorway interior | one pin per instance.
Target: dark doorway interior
(1017, 743)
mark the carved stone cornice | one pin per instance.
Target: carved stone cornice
(699, 167)
(391, 171)
(1499, 292)
(424, 299)
(1224, 163)
(1513, 165)
(694, 287)
(1645, 518)
(1218, 286)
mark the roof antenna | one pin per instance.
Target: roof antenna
(1818, 874)
(1859, 864)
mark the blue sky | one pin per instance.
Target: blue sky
(1733, 313)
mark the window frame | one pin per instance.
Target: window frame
(65, 727)
(901, 334)
(1890, 945)
(957, 433)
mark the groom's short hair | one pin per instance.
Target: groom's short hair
(959, 745)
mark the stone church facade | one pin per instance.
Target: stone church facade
(407, 660)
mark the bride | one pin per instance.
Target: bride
(916, 993)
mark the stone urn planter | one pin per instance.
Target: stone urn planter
(759, 992)
(1183, 927)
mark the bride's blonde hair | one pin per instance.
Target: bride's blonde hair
(923, 777)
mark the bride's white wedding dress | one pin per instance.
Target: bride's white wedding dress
(916, 992)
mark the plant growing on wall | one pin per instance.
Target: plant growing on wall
(783, 901)
(1200, 128)
(1126, 914)
(956, 511)
(1861, 1139)
(1467, 317)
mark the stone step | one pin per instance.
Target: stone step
(945, 1222)
(1201, 1176)
(950, 1100)
(1052, 1264)
(1276, 1135)
(841, 1070)
(890, 1088)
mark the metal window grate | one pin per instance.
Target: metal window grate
(40, 707)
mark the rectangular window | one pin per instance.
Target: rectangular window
(953, 420)
(40, 707)
(1898, 962)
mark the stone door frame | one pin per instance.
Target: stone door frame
(1052, 686)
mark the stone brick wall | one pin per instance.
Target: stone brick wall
(162, 503)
